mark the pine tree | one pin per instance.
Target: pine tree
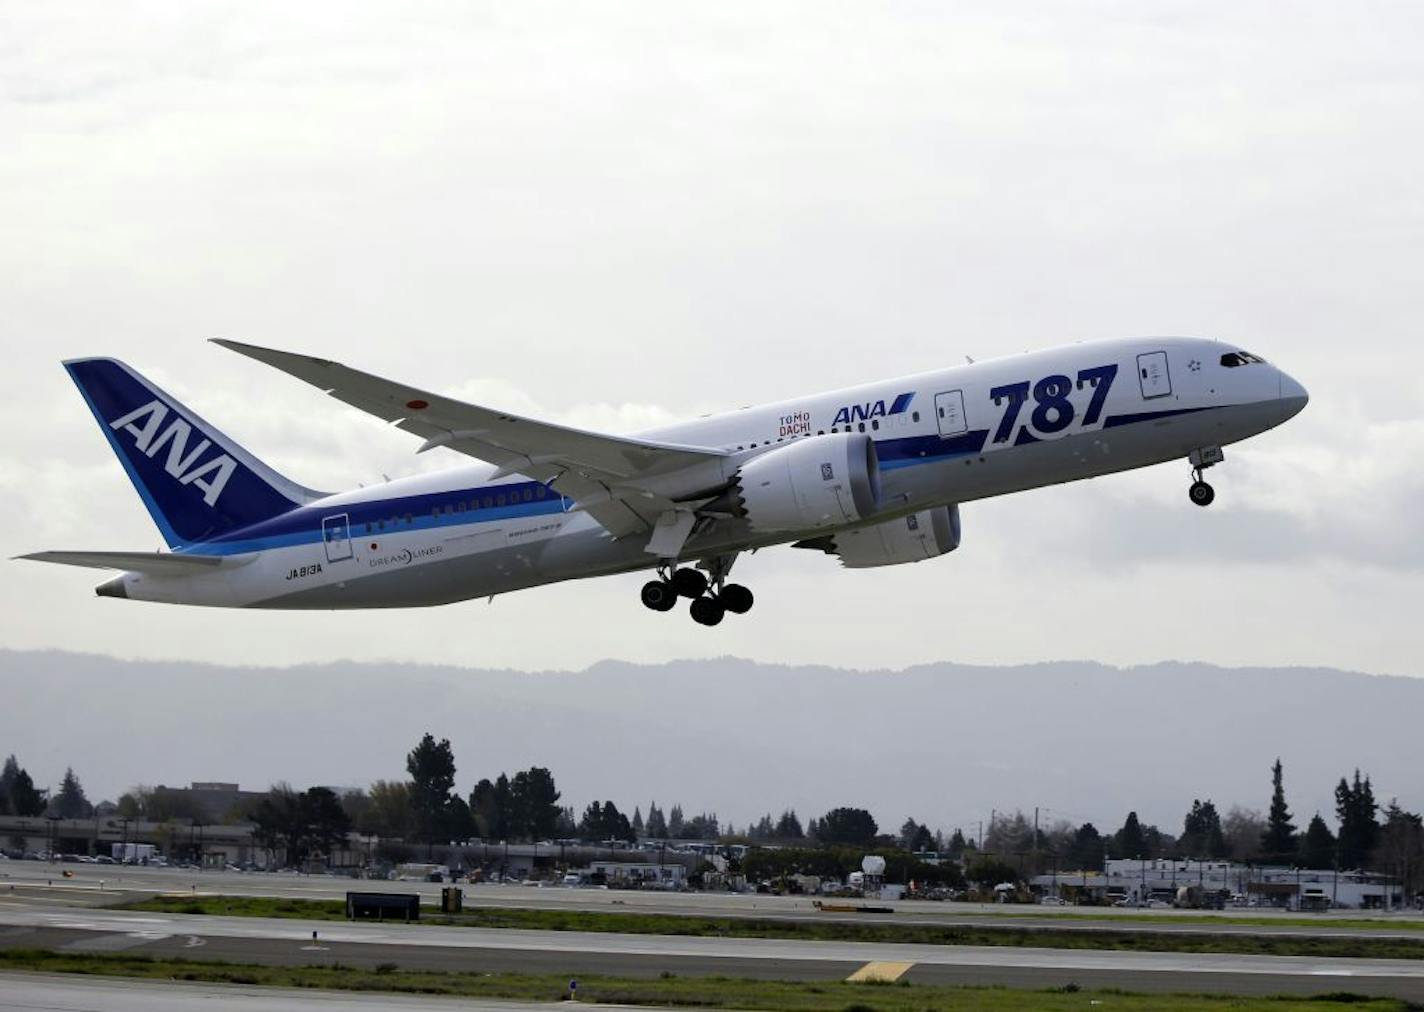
(24, 797)
(1355, 809)
(1317, 846)
(656, 826)
(637, 822)
(788, 827)
(432, 779)
(8, 777)
(1129, 841)
(1201, 832)
(675, 822)
(70, 802)
(1278, 843)
(1086, 850)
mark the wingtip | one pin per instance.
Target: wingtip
(237, 346)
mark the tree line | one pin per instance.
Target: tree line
(526, 806)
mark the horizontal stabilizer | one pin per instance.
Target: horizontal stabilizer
(155, 563)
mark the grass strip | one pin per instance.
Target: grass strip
(810, 930)
(673, 991)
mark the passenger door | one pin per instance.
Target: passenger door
(1153, 376)
(336, 535)
(949, 413)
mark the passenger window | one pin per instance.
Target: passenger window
(861, 426)
(487, 502)
(540, 492)
(528, 495)
(875, 424)
(410, 518)
(460, 506)
(499, 500)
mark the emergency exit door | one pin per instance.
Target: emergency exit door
(336, 534)
(949, 413)
(1153, 376)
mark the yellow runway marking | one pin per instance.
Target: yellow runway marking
(880, 969)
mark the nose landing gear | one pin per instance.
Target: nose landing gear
(1200, 492)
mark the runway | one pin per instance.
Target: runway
(435, 947)
(61, 993)
(85, 889)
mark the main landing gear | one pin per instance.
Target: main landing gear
(712, 597)
(1200, 492)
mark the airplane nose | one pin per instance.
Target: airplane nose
(1293, 396)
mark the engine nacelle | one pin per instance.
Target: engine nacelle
(912, 538)
(822, 481)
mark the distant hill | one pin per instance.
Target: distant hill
(943, 743)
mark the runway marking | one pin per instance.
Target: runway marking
(110, 942)
(885, 970)
(194, 942)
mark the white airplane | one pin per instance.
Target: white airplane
(873, 474)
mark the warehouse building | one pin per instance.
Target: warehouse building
(1202, 883)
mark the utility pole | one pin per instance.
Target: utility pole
(1035, 839)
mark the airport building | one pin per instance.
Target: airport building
(1205, 883)
(209, 843)
(217, 845)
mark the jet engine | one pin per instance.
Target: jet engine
(912, 538)
(820, 481)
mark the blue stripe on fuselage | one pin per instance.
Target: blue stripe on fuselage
(385, 517)
(303, 525)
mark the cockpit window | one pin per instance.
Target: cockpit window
(1232, 359)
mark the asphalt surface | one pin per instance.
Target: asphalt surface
(96, 884)
(435, 947)
(61, 993)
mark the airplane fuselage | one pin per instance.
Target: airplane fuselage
(946, 437)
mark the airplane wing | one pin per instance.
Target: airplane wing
(156, 563)
(625, 483)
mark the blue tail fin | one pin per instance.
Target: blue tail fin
(197, 483)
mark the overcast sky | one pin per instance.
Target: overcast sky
(629, 214)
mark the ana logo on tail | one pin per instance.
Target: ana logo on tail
(211, 476)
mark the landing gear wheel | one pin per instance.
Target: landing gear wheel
(689, 582)
(1201, 493)
(707, 611)
(659, 595)
(736, 598)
